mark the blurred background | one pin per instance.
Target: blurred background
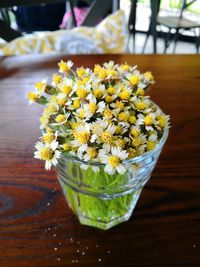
(150, 26)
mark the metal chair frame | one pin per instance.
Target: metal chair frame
(167, 37)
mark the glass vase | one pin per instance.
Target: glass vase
(102, 200)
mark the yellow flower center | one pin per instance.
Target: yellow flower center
(48, 138)
(102, 73)
(92, 107)
(161, 121)
(132, 119)
(46, 153)
(66, 147)
(121, 143)
(76, 103)
(125, 95)
(98, 93)
(125, 67)
(119, 105)
(114, 161)
(148, 120)
(123, 116)
(51, 109)
(111, 90)
(81, 114)
(140, 92)
(61, 101)
(80, 72)
(108, 99)
(150, 145)
(48, 130)
(106, 137)
(136, 142)
(39, 86)
(82, 137)
(107, 113)
(135, 132)
(85, 80)
(63, 66)
(91, 152)
(81, 92)
(32, 96)
(140, 105)
(66, 89)
(60, 118)
(132, 153)
(74, 125)
(118, 129)
(97, 68)
(148, 75)
(44, 120)
(110, 72)
(134, 80)
(57, 78)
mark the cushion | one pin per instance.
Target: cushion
(109, 36)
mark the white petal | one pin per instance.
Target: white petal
(54, 145)
(48, 165)
(121, 169)
(109, 169)
(93, 138)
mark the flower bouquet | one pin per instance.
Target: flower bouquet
(103, 135)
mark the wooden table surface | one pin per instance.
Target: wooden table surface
(36, 226)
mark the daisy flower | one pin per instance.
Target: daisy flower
(81, 138)
(148, 121)
(40, 86)
(114, 160)
(64, 67)
(93, 107)
(48, 152)
(104, 132)
(65, 86)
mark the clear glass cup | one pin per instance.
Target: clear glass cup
(103, 200)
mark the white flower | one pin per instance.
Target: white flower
(110, 65)
(103, 131)
(141, 105)
(64, 67)
(92, 107)
(81, 138)
(48, 153)
(40, 87)
(66, 86)
(113, 161)
(148, 121)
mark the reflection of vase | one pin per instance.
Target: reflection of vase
(103, 200)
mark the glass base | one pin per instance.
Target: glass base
(100, 212)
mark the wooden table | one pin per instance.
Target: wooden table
(36, 226)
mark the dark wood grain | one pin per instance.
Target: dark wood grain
(36, 226)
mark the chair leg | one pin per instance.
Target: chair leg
(145, 43)
(133, 33)
(167, 40)
(197, 41)
(175, 40)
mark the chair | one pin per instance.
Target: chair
(176, 23)
(155, 4)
